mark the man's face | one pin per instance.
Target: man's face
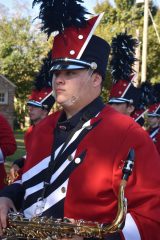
(73, 88)
(36, 114)
(124, 108)
(153, 121)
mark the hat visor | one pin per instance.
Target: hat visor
(69, 64)
(153, 115)
(118, 100)
(34, 104)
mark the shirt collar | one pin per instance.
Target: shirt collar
(87, 113)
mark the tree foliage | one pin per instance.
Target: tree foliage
(153, 63)
(22, 48)
(125, 15)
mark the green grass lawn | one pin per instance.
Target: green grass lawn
(19, 135)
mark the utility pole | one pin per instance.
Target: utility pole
(145, 37)
(137, 63)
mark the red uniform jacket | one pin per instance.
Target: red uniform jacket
(155, 135)
(91, 191)
(7, 146)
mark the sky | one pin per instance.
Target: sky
(9, 3)
(89, 4)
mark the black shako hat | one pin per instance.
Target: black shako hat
(74, 47)
(124, 92)
(97, 51)
(122, 61)
(41, 98)
(42, 94)
(79, 49)
(154, 108)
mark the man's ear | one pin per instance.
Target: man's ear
(131, 108)
(45, 113)
(97, 79)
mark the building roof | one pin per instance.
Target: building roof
(9, 82)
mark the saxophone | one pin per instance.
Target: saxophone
(43, 228)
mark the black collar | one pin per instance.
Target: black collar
(87, 112)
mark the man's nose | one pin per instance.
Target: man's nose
(58, 79)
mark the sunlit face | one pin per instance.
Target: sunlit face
(72, 88)
(153, 121)
(36, 114)
(124, 108)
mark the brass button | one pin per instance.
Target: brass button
(63, 189)
(70, 158)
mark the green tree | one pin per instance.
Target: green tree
(22, 48)
(153, 63)
(125, 15)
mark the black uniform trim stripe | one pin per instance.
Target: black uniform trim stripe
(58, 182)
(73, 146)
(56, 211)
(64, 175)
(40, 177)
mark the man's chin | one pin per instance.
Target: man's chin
(60, 100)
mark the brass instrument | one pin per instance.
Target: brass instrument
(9, 179)
(43, 228)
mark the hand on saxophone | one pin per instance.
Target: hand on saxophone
(74, 237)
(6, 205)
(13, 173)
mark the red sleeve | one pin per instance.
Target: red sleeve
(142, 190)
(7, 140)
(157, 143)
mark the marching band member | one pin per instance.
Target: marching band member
(39, 105)
(124, 96)
(154, 125)
(73, 167)
(153, 116)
